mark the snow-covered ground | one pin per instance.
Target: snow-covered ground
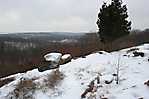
(73, 78)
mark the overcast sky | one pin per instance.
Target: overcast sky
(63, 15)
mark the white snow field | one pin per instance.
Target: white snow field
(73, 78)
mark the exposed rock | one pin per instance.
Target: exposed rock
(146, 83)
(138, 54)
(108, 79)
(132, 49)
(108, 82)
(141, 98)
(100, 52)
(53, 60)
(65, 58)
(114, 74)
(104, 98)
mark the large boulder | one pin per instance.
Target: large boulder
(53, 57)
(65, 59)
(53, 60)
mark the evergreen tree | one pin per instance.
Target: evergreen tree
(112, 21)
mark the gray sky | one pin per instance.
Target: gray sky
(62, 15)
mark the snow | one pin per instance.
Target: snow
(107, 78)
(53, 57)
(68, 41)
(74, 77)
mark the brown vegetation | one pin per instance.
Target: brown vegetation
(53, 79)
(89, 89)
(23, 90)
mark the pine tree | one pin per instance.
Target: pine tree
(112, 21)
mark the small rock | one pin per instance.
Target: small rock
(108, 82)
(147, 83)
(132, 49)
(138, 54)
(104, 98)
(124, 55)
(108, 79)
(114, 74)
(100, 52)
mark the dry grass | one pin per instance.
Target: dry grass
(27, 87)
(24, 90)
(54, 79)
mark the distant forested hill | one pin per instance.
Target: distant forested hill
(20, 52)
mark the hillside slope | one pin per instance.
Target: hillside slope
(73, 78)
